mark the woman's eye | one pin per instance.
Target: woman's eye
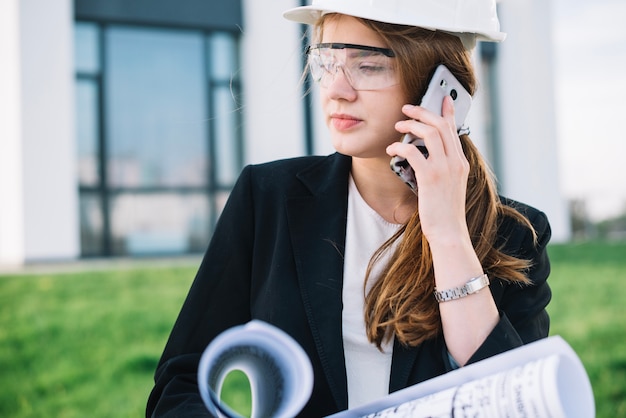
(371, 68)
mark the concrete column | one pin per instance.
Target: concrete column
(271, 65)
(529, 160)
(11, 197)
(39, 214)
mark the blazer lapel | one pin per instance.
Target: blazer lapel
(317, 223)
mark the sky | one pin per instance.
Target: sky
(590, 85)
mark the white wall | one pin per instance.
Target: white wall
(38, 215)
(11, 201)
(530, 163)
(271, 63)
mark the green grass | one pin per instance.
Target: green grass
(589, 311)
(86, 344)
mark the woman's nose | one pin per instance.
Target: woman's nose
(339, 87)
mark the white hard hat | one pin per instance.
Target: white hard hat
(468, 19)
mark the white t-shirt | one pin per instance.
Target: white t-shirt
(368, 370)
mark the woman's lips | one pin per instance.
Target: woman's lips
(343, 122)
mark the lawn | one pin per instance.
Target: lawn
(589, 310)
(86, 343)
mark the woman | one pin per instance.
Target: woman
(343, 256)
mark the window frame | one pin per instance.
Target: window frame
(214, 190)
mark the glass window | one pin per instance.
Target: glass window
(226, 137)
(220, 202)
(87, 132)
(91, 224)
(159, 223)
(86, 51)
(223, 56)
(146, 136)
(156, 108)
(223, 53)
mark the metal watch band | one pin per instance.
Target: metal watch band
(472, 286)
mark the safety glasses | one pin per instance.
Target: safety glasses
(365, 67)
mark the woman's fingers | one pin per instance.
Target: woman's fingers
(438, 132)
(442, 177)
(451, 141)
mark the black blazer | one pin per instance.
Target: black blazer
(276, 255)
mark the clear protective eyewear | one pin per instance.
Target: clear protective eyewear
(365, 67)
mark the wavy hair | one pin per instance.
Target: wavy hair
(400, 302)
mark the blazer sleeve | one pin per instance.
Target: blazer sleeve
(221, 290)
(523, 315)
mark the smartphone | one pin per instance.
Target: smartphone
(442, 84)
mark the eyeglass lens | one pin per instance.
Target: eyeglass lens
(365, 68)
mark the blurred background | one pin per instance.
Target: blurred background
(590, 59)
(126, 123)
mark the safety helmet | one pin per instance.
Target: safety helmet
(468, 19)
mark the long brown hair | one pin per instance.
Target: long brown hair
(401, 302)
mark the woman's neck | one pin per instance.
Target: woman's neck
(383, 191)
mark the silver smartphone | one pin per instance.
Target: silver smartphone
(442, 84)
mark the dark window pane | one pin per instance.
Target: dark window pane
(87, 132)
(91, 224)
(156, 108)
(159, 223)
(86, 52)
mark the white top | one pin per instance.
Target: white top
(368, 369)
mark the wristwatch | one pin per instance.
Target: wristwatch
(472, 286)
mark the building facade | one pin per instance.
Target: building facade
(124, 124)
